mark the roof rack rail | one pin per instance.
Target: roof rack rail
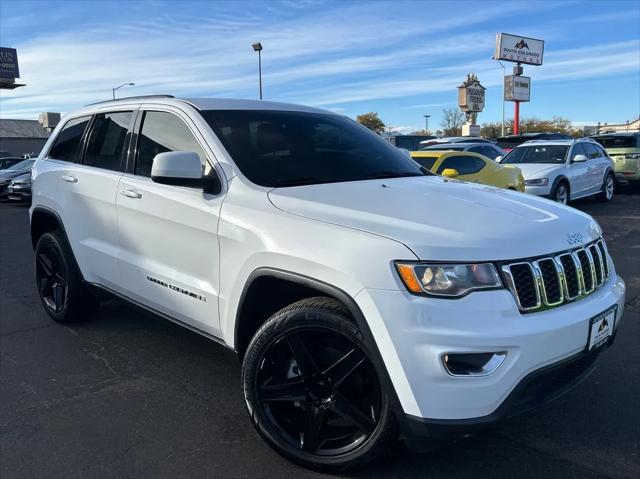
(130, 98)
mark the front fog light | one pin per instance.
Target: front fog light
(453, 280)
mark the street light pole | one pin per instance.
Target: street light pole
(113, 90)
(257, 47)
(426, 126)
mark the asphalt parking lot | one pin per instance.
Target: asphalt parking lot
(127, 394)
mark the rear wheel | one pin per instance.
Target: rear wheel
(312, 390)
(608, 188)
(62, 293)
(560, 193)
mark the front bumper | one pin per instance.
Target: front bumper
(19, 193)
(538, 190)
(413, 334)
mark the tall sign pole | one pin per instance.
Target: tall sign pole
(520, 50)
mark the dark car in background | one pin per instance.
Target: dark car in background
(19, 188)
(6, 176)
(508, 143)
(487, 149)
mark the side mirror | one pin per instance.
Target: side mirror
(579, 158)
(182, 168)
(498, 159)
(450, 173)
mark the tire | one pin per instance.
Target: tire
(293, 381)
(561, 192)
(608, 189)
(59, 283)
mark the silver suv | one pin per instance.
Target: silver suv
(564, 170)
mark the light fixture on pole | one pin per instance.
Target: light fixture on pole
(426, 126)
(113, 90)
(257, 47)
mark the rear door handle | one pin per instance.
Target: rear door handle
(70, 179)
(131, 194)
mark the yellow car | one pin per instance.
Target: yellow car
(471, 167)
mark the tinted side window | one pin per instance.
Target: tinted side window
(162, 132)
(426, 162)
(578, 149)
(592, 151)
(465, 165)
(106, 145)
(66, 145)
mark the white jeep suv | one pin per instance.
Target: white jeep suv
(366, 298)
(564, 170)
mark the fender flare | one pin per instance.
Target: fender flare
(56, 217)
(347, 300)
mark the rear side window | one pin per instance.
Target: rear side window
(162, 132)
(464, 165)
(106, 145)
(619, 141)
(68, 141)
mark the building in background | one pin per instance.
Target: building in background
(26, 137)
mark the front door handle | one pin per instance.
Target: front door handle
(70, 179)
(131, 194)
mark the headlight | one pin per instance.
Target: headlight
(21, 182)
(452, 280)
(537, 182)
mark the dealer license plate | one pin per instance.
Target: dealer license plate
(601, 328)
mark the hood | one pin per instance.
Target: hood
(441, 219)
(8, 174)
(22, 177)
(535, 170)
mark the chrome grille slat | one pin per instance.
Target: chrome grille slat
(551, 281)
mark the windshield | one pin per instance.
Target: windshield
(290, 148)
(23, 165)
(619, 141)
(555, 154)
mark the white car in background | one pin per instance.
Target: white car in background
(564, 170)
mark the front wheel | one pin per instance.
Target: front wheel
(312, 391)
(608, 188)
(560, 193)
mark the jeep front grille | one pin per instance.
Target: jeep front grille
(551, 281)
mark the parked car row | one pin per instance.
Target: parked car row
(554, 166)
(15, 181)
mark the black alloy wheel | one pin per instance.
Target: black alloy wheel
(312, 390)
(51, 278)
(62, 292)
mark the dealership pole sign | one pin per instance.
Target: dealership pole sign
(9, 70)
(471, 95)
(9, 63)
(514, 48)
(517, 88)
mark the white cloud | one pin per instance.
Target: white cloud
(325, 58)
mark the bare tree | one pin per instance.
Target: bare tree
(452, 121)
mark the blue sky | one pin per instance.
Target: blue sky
(400, 59)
